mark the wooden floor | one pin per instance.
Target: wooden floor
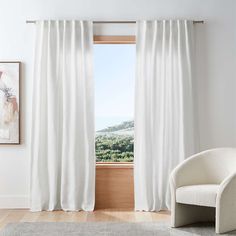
(115, 215)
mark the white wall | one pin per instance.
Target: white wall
(215, 64)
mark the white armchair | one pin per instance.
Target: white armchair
(203, 188)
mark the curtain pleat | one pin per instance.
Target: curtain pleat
(63, 149)
(164, 120)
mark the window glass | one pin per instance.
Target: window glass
(114, 72)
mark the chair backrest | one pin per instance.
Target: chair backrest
(216, 164)
(208, 167)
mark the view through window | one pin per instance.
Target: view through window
(114, 72)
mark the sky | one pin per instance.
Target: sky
(114, 73)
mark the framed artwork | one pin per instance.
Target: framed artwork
(10, 102)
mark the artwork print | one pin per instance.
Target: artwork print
(9, 103)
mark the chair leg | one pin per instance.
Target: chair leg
(225, 219)
(181, 215)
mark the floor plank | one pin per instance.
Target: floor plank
(112, 215)
(12, 216)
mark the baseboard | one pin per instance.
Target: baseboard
(14, 201)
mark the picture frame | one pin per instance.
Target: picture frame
(10, 73)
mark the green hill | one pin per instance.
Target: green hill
(123, 126)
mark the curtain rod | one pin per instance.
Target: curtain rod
(117, 22)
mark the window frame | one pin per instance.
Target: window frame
(114, 39)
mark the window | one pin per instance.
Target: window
(114, 72)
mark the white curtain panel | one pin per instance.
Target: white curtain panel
(164, 119)
(63, 152)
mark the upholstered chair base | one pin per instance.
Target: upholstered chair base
(183, 214)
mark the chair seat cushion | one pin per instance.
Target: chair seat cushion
(201, 195)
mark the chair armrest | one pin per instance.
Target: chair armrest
(188, 172)
(226, 205)
(227, 187)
